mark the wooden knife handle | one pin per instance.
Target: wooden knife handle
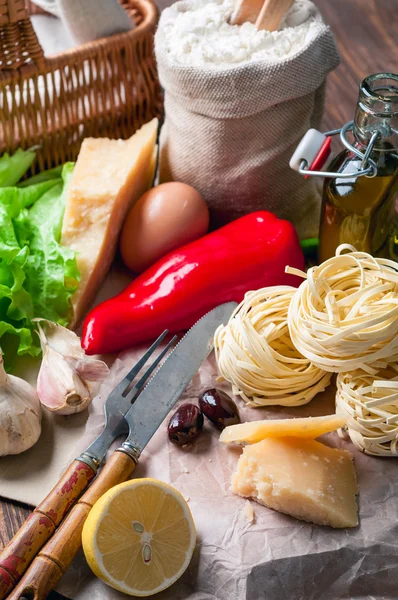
(41, 524)
(56, 556)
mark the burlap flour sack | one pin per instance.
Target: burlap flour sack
(230, 131)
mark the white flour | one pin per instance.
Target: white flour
(197, 33)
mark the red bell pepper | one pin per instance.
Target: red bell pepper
(177, 290)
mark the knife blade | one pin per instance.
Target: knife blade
(168, 383)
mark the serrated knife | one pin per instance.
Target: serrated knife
(144, 417)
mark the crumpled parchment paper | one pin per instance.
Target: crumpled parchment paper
(276, 557)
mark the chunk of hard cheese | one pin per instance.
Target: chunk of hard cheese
(300, 477)
(254, 431)
(109, 177)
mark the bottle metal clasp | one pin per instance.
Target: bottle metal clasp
(313, 155)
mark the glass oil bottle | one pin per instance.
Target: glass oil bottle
(358, 209)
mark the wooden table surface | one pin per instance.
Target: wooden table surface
(367, 36)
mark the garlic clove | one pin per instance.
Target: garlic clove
(93, 373)
(59, 388)
(92, 370)
(67, 380)
(20, 414)
(55, 379)
(60, 338)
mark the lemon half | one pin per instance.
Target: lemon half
(139, 537)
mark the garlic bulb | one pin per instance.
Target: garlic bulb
(20, 414)
(68, 379)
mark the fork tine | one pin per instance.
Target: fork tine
(123, 385)
(140, 384)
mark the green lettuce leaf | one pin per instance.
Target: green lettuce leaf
(37, 275)
(43, 176)
(12, 168)
(51, 271)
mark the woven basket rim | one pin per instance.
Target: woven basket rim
(148, 10)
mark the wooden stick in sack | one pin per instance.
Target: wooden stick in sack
(246, 11)
(272, 14)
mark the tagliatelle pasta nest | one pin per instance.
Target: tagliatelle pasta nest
(256, 355)
(345, 315)
(371, 404)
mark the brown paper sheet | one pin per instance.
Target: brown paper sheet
(276, 557)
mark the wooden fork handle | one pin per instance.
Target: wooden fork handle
(56, 556)
(41, 524)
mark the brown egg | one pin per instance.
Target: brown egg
(164, 219)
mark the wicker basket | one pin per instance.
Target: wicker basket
(108, 87)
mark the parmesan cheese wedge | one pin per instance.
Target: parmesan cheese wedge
(300, 477)
(255, 431)
(109, 177)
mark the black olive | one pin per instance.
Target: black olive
(185, 425)
(217, 406)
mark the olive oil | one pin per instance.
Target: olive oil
(363, 211)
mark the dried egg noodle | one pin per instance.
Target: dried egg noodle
(345, 315)
(255, 354)
(371, 404)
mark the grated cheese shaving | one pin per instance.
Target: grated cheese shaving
(248, 511)
(256, 355)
